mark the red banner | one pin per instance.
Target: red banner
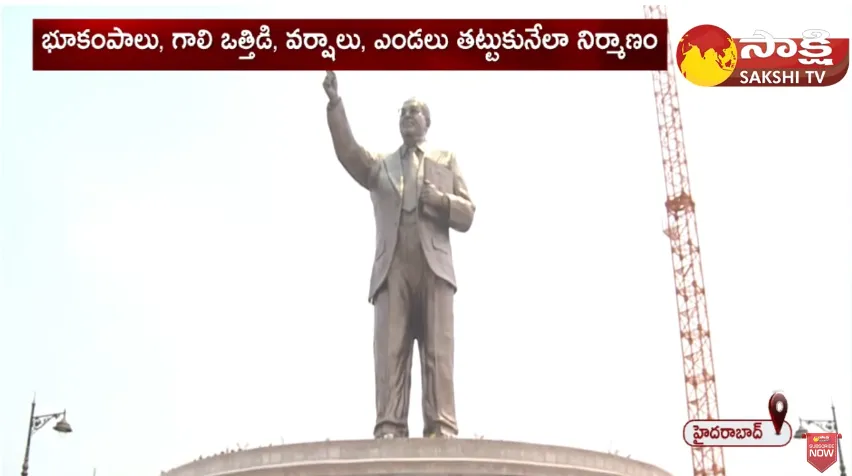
(822, 449)
(302, 45)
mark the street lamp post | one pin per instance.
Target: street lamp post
(37, 422)
(825, 425)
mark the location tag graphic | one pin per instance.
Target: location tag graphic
(777, 410)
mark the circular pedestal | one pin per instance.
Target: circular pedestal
(420, 457)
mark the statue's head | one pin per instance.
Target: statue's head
(414, 120)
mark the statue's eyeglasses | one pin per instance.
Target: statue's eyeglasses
(410, 111)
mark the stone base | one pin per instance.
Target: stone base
(420, 457)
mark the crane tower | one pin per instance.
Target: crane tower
(682, 231)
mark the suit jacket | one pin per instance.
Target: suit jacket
(382, 176)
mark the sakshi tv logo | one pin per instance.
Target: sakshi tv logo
(708, 56)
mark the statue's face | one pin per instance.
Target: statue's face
(412, 119)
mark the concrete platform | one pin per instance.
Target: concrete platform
(420, 457)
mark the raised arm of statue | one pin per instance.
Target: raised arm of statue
(359, 162)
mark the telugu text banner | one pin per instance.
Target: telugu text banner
(366, 45)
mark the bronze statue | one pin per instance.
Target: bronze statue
(418, 194)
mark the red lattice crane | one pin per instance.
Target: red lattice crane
(682, 231)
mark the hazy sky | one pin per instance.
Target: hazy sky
(184, 263)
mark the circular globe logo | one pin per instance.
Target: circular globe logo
(707, 55)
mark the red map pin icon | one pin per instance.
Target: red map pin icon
(777, 410)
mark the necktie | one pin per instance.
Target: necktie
(409, 180)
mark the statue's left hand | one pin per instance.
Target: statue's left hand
(431, 196)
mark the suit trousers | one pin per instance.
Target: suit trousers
(413, 305)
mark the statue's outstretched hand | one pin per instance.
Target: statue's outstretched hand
(330, 85)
